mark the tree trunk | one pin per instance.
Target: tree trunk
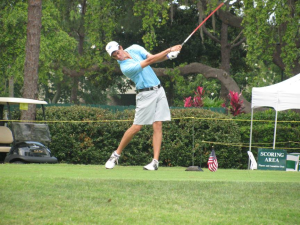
(11, 87)
(227, 20)
(74, 90)
(81, 34)
(225, 49)
(278, 60)
(30, 88)
(57, 94)
(225, 58)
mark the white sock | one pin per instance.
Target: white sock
(155, 160)
(116, 154)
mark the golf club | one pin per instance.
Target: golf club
(203, 22)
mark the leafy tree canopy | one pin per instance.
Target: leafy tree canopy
(75, 32)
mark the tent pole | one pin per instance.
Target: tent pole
(275, 128)
(250, 142)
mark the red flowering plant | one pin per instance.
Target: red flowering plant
(197, 100)
(236, 104)
(188, 102)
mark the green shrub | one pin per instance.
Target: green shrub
(212, 102)
(88, 135)
(209, 127)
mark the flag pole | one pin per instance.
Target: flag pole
(194, 168)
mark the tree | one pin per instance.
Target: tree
(56, 48)
(217, 53)
(90, 23)
(13, 21)
(153, 16)
(30, 88)
(272, 31)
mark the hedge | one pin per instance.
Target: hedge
(88, 135)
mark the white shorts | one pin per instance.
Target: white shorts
(151, 106)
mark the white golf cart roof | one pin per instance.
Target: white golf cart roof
(11, 100)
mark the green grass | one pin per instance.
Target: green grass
(79, 194)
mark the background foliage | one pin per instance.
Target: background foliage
(269, 24)
(70, 29)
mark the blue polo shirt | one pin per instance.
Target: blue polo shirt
(132, 69)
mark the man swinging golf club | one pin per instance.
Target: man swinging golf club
(151, 103)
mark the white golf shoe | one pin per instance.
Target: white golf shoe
(111, 162)
(152, 166)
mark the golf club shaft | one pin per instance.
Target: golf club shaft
(203, 22)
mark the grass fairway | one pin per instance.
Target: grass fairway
(79, 194)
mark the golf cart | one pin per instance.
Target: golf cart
(23, 142)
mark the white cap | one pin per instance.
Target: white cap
(111, 47)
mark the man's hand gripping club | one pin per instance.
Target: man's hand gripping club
(173, 55)
(174, 51)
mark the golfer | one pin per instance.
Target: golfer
(151, 103)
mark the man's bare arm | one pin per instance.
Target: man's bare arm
(159, 57)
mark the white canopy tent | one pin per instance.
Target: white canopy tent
(281, 96)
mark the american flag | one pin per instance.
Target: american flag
(212, 162)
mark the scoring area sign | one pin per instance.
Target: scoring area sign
(270, 159)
